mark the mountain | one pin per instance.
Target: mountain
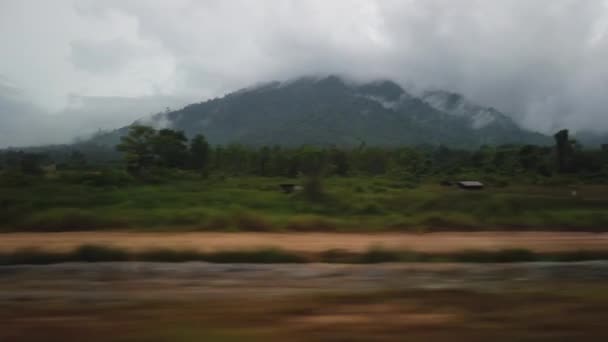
(493, 126)
(590, 139)
(332, 111)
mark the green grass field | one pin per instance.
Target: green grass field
(186, 201)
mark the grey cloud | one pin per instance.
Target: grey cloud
(24, 124)
(543, 61)
(102, 56)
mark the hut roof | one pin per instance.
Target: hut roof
(471, 184)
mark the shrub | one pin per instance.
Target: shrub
(338, 256)
(264, 256)
(507, 255)
(169, 255)
(310, 223)
(95, 253)
(378, 255)
(251, 222)
(66, 219)
(579, 256)
(313, 189)
(370, 209)
(444, 220)
(103, 178)
(13, 178)
(31, 256)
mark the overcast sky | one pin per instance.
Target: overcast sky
(70, 67)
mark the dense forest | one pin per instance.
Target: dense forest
(146, 153)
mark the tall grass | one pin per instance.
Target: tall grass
(256, 204)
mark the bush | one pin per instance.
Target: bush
(507, 255)
(251, 222)
(103, 178)
(338, 256)
(31, 256)
(169, 255)
(313, 189)
(264, 256)
(310, 223)
(370, 209)
(66, 219)
(377, 255)
(95, 253)
(11, 178)
(445, 220)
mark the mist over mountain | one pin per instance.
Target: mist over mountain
(335, 111)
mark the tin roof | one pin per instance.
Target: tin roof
(470, 183)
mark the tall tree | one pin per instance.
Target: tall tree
(340, 162)
(138, 148)
(171, 148)
(563, 149)
(199, 154)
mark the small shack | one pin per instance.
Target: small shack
(289, 187)
(470, 185)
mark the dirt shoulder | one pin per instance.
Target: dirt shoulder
(311, 242)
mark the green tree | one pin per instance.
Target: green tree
(137, 146)
(77, 160)
(313, 164)
(31, 164)
(564, 150)
(263, 161)
(199, 154)
(340, 162)
(170, 148)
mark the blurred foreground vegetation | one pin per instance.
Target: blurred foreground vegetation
(374, 255)
(538, 311)
(165, 181)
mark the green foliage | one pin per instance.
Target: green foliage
(366, 188)
(138, 148)
(507, 255)
(263, 256)
(14, 178)
(67, 219)
(184, 199)
(170, 148)
(378, 255)
(102, 178)
(199, 154)
(96, 253)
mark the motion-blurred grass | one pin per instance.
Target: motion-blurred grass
(100, 253)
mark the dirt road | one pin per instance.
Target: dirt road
(310, 242)
(130, 301)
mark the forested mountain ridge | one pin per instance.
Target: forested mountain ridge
(332, 111)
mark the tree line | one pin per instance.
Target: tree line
(145, 149)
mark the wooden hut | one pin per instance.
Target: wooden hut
(470, 185)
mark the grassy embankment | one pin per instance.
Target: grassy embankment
(256, 204)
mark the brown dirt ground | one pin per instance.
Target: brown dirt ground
(310, 242)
